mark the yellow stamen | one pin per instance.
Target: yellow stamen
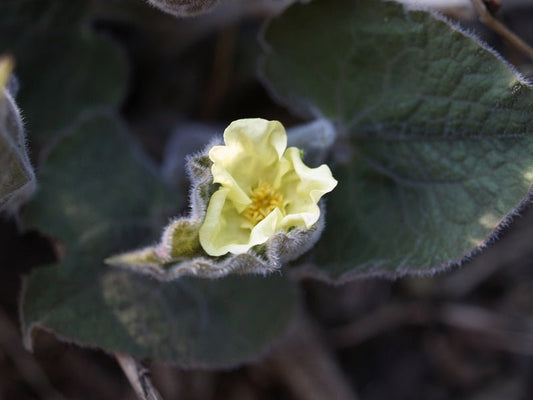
(264, 200)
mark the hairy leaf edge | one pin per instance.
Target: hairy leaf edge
(28, 331)
(310, 271)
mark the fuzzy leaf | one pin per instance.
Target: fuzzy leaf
(435, 136)
(17, 180)
(64, 69)
(98, 199)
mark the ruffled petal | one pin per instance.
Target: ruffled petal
(222, 225)
(255, 169)
(266, 139)
(302, 188)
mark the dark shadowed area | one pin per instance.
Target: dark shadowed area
(465, 333)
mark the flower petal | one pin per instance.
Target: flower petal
(252, 145)
(258, 136)
(237, 189)
(266, 228)
(222, 225)
(221, 233)
(303, 187)
(255, 156)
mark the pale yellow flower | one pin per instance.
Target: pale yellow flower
(264, 188)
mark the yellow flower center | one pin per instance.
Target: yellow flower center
(264, 200)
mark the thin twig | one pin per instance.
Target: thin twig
(511, 334)
(514, 335)
(306, 365)
(138, 377)
(219, 81)
(488, 19)
(385, 319)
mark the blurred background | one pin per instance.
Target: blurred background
(462, 334)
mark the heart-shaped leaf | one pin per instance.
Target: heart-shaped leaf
(435, 136)
(99, 199)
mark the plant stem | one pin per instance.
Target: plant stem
(138, 377)
(488, 19)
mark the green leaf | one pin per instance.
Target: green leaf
(435, 141)
(98, 199)
(64, 69)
